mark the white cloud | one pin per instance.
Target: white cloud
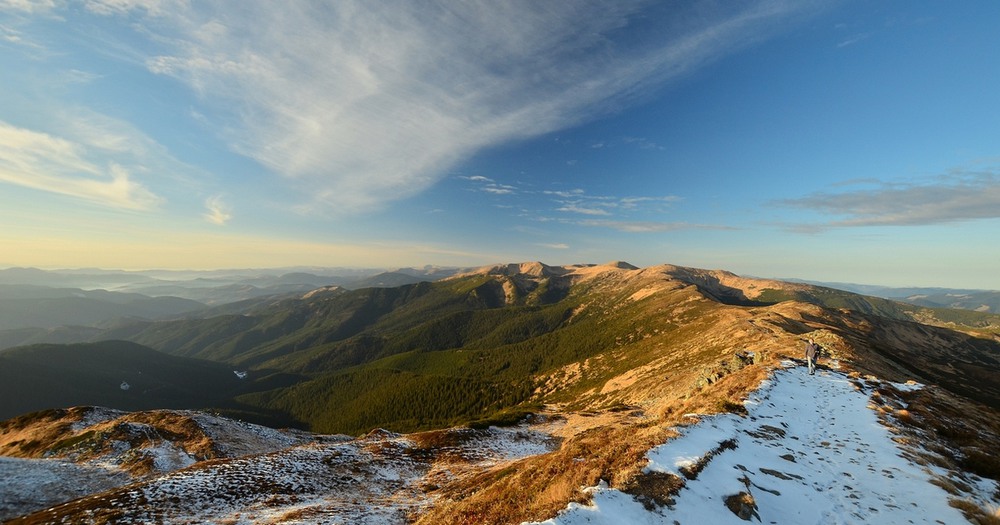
(45, 162)
(605, 204)
(960, 195)
(649, 226)
(853, 39)
(27, 6)
(118, 7)
(361, 103)
(488, 185)
(577, 208)
(218, 211)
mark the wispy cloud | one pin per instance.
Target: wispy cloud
(650, 226)
(27, 6)
(565, 194)
(119, 7)
(54, 164)
(960, 195)
(582, 203)
(853, 39)
(360, 102)
(567, 206)
(576, 207)
(218, 212)
(488, 185)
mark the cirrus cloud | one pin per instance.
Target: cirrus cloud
(58, 165)
(959, 195)
(361, 103)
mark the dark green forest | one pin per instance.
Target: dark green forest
(408, 358)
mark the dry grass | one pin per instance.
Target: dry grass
(540, 486)
(976, 514)
(31, 435)
(654, 489)
(743, 505)
(537, 488)
(967, 431)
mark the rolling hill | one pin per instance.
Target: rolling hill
(24, 306)
(475, 345)
(117, 374)
(619, 356)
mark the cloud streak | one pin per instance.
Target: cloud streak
(218, 212)
(53, 164)
(649, 226)
(361, 103)
(960, 195)
(577, 207)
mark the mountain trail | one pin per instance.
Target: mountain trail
(811, 450)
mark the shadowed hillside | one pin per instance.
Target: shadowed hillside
(614, 356)
(117, 374)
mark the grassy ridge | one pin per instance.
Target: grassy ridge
(420, 356)
(981, 322)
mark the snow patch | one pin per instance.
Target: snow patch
(809, 451)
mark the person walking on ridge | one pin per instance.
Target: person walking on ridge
(812, 353)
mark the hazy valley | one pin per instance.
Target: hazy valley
(505, 393)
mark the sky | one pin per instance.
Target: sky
(836, 141)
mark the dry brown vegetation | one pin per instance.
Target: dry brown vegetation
(690, 374)
(64, 433)
(679, 353)
(537, 488)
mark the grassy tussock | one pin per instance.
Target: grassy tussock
(976, 514)
(537, 488)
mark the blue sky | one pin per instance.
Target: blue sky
(835, 141)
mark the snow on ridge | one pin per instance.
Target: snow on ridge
(95, 415)
(370, 480)
(233, 438)
(809, 451)
(379, 478)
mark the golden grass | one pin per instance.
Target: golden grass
(976, 514)
(538, 487)
(31, 435)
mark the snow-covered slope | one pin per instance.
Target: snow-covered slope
(809, 451)
(380, 478)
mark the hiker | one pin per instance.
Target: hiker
(812, 354)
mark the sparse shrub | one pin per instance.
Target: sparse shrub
(504, 418)
(905, 416)
(976, 514)
(726, 405)
(654, 489)
(981, 463)
(743, 505)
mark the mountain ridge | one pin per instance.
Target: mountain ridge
(620, 356)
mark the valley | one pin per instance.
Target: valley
(494, 395)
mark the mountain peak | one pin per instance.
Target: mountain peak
(622, 265)
(593, 366)
(325, 290)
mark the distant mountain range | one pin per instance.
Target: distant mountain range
(609, 360)
(963, 299)
(396, 356)
(30, 306)
(38, 306)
